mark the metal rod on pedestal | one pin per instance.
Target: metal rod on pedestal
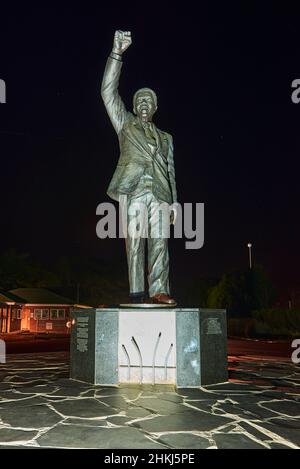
(128, 361)
(166, 361)
(140, 358)
(153, 360)
(250, 255)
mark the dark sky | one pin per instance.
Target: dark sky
(223, 78)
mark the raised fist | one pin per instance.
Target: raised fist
(122, 41)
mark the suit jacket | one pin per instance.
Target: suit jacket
(135, 155)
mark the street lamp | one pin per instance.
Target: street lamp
(250, 255)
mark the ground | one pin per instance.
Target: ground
(258, 408)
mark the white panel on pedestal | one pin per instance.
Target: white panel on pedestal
(154, 333)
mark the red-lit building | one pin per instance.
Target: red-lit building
(10, 312)
(34, 310)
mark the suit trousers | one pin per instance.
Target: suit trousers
(147, 219)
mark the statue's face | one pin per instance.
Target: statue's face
(144, 105)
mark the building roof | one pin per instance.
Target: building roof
(40, 296)
(7, 297)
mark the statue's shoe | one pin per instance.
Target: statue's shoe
(137, 300)
(163, 298)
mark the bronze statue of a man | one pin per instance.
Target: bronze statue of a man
(145, 175)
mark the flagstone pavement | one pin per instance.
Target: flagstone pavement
(40, 407)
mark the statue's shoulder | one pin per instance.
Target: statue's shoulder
(166, 135)
(131, 116)
(130, 119)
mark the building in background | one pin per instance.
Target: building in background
(41, 311)
(10, 312)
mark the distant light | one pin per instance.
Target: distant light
(249, 245)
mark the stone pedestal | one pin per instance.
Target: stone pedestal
(186, 347)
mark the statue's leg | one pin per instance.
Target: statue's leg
(158, 255)
(135, 249)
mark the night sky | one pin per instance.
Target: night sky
(223, 78)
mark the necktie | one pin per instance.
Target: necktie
(150, 133)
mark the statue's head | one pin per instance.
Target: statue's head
(145, 103)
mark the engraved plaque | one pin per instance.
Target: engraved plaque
(82, 333)
(212, 326)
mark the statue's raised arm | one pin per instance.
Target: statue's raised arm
(109, 89)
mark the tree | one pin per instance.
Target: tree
(263, 292)
(242, 292)
(21, 270)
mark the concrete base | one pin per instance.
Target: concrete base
(186, 347)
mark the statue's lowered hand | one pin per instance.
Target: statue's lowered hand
(122, 41)
(173, 214)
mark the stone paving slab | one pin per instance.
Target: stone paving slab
(11, 434)
(37, 417)
(159, 406)
(185, 441)
(40, 407)
(84, 407)
(284, 407)
(68, 436)
(188, 421)
(236, 441)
